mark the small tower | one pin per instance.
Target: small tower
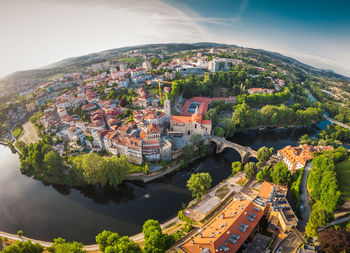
(167, 107)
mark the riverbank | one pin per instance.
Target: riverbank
(161, 173)
(138, 238)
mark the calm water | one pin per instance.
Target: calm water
(45, 212)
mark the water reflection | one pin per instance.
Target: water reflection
(45, 211)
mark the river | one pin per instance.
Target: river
(45, 212)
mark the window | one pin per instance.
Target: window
(188, 132)
(195, 126)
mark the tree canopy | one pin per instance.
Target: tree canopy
(318, 217)
(236, 167)
(155, 240)
(334, 240)
(60, 245)
(280, 173)
(110, 242)
(264, 154)
(24, 247)
(322, 182)
(199, 183)
(250, 169)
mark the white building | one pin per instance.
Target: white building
(147, 65)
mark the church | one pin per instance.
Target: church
(185, 126)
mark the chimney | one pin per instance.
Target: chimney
(223, 216)
(200, 235)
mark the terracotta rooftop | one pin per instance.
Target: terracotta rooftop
(228, 231)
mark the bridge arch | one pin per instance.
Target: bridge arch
(222, 143)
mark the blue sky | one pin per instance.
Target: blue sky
(39, 32)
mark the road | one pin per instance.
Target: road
(336, 122)
(334, 223)
(304, 199)
(23, 239)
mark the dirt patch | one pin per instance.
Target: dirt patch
(221, 192)
(30, 134)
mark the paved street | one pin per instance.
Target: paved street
(304, 199)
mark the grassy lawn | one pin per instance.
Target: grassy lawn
(16, 132)
(343, 176)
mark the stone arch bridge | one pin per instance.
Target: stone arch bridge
(222, 143)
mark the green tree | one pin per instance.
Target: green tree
(53, 163)
(260, 176)
(123, 245)
(250, 169)
(229, 127)
(318, 218)
(189, 151)
(155, 240)
(199, 183)
(236, 167)
(219, 131)
(110, 242)
(264, 154)
(115, 169)
(243, 116)
(149, 227)
(280, 173)
(24, 247)
(92, 168)
(19, 233)
(322, 181)
(61, 246)
(146, 168)
(106, 238)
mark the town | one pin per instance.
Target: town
(158, 113)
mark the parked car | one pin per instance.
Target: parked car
(302, 208)
(280, 249)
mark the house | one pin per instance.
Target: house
(221, 64)
(129, 146)
(143, 99)
(170, 75)
(118, 74)
(76, 134)
(147, 65)
(260, 91)
(137, 72)
(152, 132)
(151, 149)
(123, 82)
(228, 231)
(167, 89)
(99, 137)
(89, 107)
(188, 70)
(123, 66)
(296, 157)
(273, 199)
(64, 103)
(61, 111)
